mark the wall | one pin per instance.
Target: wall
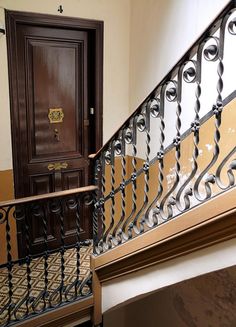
(169, 273)
(6, 193)
(204, 301)
(160, 33)
(116, 16)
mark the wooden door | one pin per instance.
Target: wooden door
(55, 131)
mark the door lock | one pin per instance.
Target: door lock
(56, 135)
(92, 111)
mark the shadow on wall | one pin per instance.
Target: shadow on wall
(205, 301)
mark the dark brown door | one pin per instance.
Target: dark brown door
(55, 72)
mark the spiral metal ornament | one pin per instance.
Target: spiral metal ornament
(38, 304)
(108, 157)
(128, 136)
(171, 92)
(190, 74)
(3, 215)
(19, 213)
(211, 52)
(55, 206)
(118, 147)
(230, 173)
(141, 123)
(204, 176)
(71, 202)
(154, 107)
(232, 26)
(85, 288)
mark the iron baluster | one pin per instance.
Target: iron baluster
(96, 207)
(57, 207)
(62, 250)
(9, 266)
(157, 111)
(130, 138)
(103, 191)
(192, 75)
(146, 165)
(173, 94)
(120, 150)
(134, 185)
(74, 204)
(212, 53)
(46, 254)
(29, 213)
(4, 310)
(77, 246)
(110, 159)
(141, 124)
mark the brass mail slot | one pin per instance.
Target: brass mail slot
(57, 166)
(55, 115)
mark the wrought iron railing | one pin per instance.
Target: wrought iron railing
(37, 283)
(145, 178)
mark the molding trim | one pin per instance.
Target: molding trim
(97, 295)
(209, 223)
(64, 315)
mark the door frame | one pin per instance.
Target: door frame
(94, 27)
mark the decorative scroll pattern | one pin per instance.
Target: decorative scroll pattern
(131, 206)
(53, 293)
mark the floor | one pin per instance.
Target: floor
(54, 297)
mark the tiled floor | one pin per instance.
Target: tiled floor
(37, 275)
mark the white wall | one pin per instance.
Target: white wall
(174, 271)
(160, 33)
(189, 303)
(116, 17)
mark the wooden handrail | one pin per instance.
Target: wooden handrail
(84, 189)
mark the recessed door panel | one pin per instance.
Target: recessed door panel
(57, 115)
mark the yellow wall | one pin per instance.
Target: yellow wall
(7, 193)
(206, 151)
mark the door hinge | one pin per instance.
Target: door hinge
(92, 111)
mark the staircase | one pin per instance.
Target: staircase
(164, 187)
